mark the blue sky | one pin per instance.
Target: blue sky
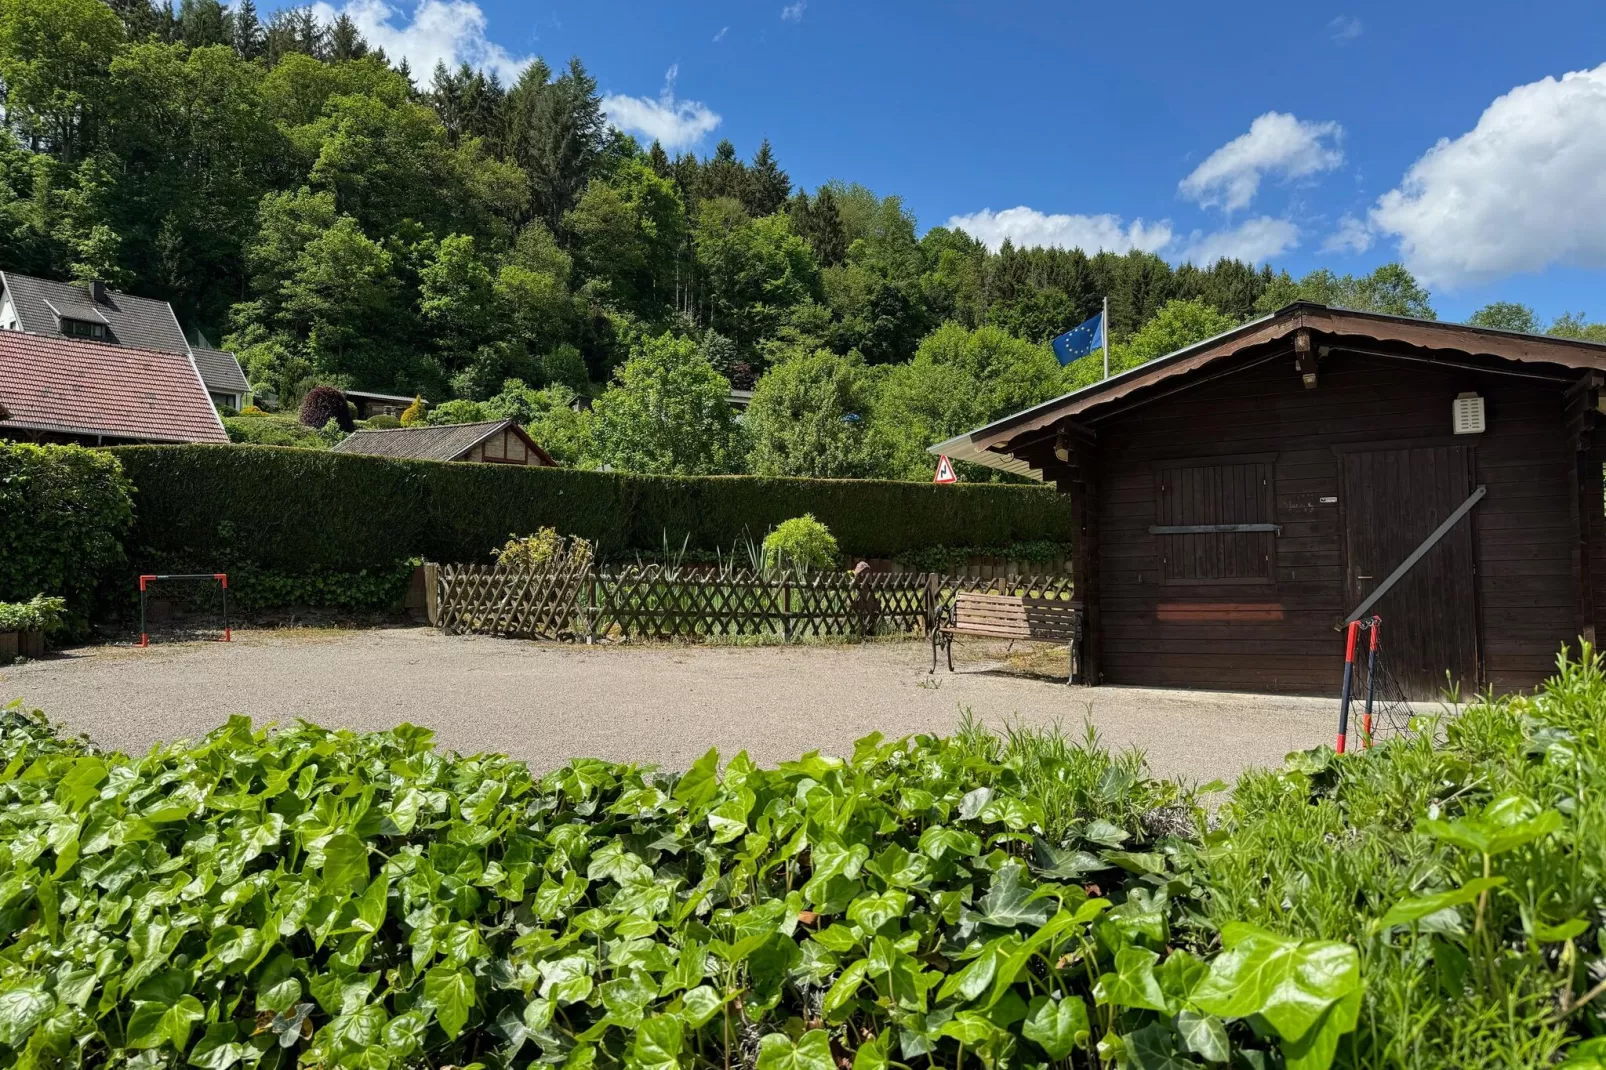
(1298, 134)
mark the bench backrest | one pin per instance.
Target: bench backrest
(1011, 616)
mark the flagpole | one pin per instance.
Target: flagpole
(1105, 325)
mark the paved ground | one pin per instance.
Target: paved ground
(666, 704)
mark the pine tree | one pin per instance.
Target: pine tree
(202, 23)
(346, 42)
(768, 186)
(820, 224)
(166, 28)
(658, 159)
(555, 133)
(723, 175)
(247, 30)
(446, 97)
(311, 36)
(140, 19)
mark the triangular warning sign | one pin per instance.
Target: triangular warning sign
(945, 471)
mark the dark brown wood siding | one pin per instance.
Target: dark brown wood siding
(1280, 635)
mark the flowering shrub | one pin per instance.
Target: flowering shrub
(544, 549)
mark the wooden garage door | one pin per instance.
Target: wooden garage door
(1393, 500)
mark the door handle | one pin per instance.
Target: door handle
(1361, 577)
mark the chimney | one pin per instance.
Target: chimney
(97, 290)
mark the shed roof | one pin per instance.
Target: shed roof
(220, 371)
(443, 442)
(1339, 328)
(40, 305)
(74, 387)
(372, 396)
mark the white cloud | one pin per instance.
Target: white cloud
(1352, 236)
(1027, 227)
(720, 36)
(677, 124)
(794, 12)
(1523, 189)
(440, 31)
(1253, 241)
(1344, 29)
(1276, 144)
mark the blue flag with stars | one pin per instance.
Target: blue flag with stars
(1078, 342)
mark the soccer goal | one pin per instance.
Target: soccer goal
(184, 606)
(1387, 711)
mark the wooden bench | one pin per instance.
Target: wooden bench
(1009, 616)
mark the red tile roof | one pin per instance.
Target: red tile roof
(92, 388)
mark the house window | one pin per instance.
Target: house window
(83, 329)
(1214, 523)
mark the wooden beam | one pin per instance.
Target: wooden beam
(1084, 495)
(1588, 508)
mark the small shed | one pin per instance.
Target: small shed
(489, 442)
(1238, 501)
(368, 403)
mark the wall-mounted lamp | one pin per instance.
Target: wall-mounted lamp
(1062, 447)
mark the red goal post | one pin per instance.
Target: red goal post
(145, 580)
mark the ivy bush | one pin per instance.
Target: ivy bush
(329, 899)
(323, 898)
(66, 512)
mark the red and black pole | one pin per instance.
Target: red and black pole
(144, 637)
(1349, 681)
(1376, 625)
(223, 578)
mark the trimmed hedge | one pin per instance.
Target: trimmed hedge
(63, 514)
(301, 511)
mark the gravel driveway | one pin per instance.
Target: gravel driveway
(547, 702)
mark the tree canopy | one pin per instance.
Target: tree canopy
(338, 219)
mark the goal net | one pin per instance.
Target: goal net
(1373, 700)
(188, 607)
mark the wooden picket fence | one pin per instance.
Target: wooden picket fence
(664, 602)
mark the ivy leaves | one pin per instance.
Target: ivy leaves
(375, 904)
(21, 1009)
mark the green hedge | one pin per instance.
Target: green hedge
(300, 511)
(63, 514)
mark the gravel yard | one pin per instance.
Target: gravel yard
(546, 702)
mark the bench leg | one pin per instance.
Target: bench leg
(933, 669)
(950, 648)
(1070, 663)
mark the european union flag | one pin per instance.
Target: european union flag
(1078, 342)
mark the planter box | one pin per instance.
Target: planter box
(21, 644)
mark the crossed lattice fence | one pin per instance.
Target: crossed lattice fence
(665, 602)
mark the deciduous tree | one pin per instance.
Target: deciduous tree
(668, 412)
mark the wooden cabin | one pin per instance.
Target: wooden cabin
(1238, 501)
(484, 442)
